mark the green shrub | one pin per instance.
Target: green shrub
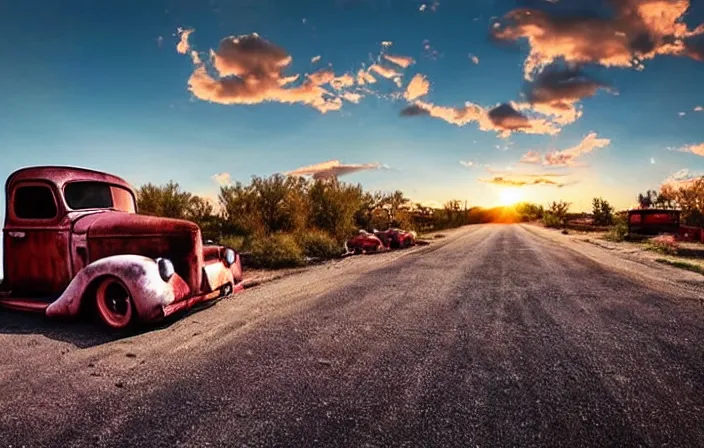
(551, 220)
(683, 265)
(602, 212)
(318, 244)
(619, 231)
(239, 243)
(276, 251)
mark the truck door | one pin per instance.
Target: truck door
(36, 250)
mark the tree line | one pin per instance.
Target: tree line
(685, 196)
(318, 215)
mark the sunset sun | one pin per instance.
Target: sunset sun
(510, 196)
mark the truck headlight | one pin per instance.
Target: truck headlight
(229, 257)
(166, 268)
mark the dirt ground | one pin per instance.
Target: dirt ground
(496, 335)
(635, 257)
(688, 252)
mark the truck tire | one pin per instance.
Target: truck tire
(113, 304)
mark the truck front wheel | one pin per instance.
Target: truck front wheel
(113, 303)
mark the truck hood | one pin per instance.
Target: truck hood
(112, 223)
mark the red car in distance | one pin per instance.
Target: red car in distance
(381, 240)
(365, 242)
(396, 238)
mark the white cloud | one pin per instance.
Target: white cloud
(222, 179)
(334, 168)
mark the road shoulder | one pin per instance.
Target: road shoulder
(636, 264)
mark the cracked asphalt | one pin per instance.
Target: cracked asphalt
(493, 336)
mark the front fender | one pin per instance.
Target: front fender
(139, 274)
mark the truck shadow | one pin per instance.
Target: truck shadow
(82, 333)
(78, 333)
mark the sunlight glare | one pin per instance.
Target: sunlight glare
(510, 196)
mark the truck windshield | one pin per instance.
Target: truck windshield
(88, 195)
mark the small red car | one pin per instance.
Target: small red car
(396, 238)
(73, 242)
(365, 242)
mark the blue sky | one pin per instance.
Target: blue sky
(100, 84)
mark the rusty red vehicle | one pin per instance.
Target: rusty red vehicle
(396, 238)
(365, 242)
(74, 243)
(651, 221)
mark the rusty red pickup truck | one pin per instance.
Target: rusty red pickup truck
(73, 243)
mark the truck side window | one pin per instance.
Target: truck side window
(34, 202)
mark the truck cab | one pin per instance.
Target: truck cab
(72, 237)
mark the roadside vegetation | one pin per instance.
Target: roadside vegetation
(665, 244)
(604, 222)
(682, 265)
(281, 221)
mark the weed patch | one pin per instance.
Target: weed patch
(682, 265)
(665, 244)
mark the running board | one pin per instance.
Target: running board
(30, 305)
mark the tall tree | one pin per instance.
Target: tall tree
(602, 212)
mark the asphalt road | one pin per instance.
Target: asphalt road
(491, 337)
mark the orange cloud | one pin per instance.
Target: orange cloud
(331, 169)
(340, 82)
(567, 157)
(183, 46)
(418, 87)
(250, 71)
(695, 149)
(509, 172)
(364, 77)
(385, 72)
(401, 61)
(503, 119)
(352, 97)
(532, 157)
(459, 116)
(639, 30)
(523, 181)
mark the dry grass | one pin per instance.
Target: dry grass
(682, 265)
